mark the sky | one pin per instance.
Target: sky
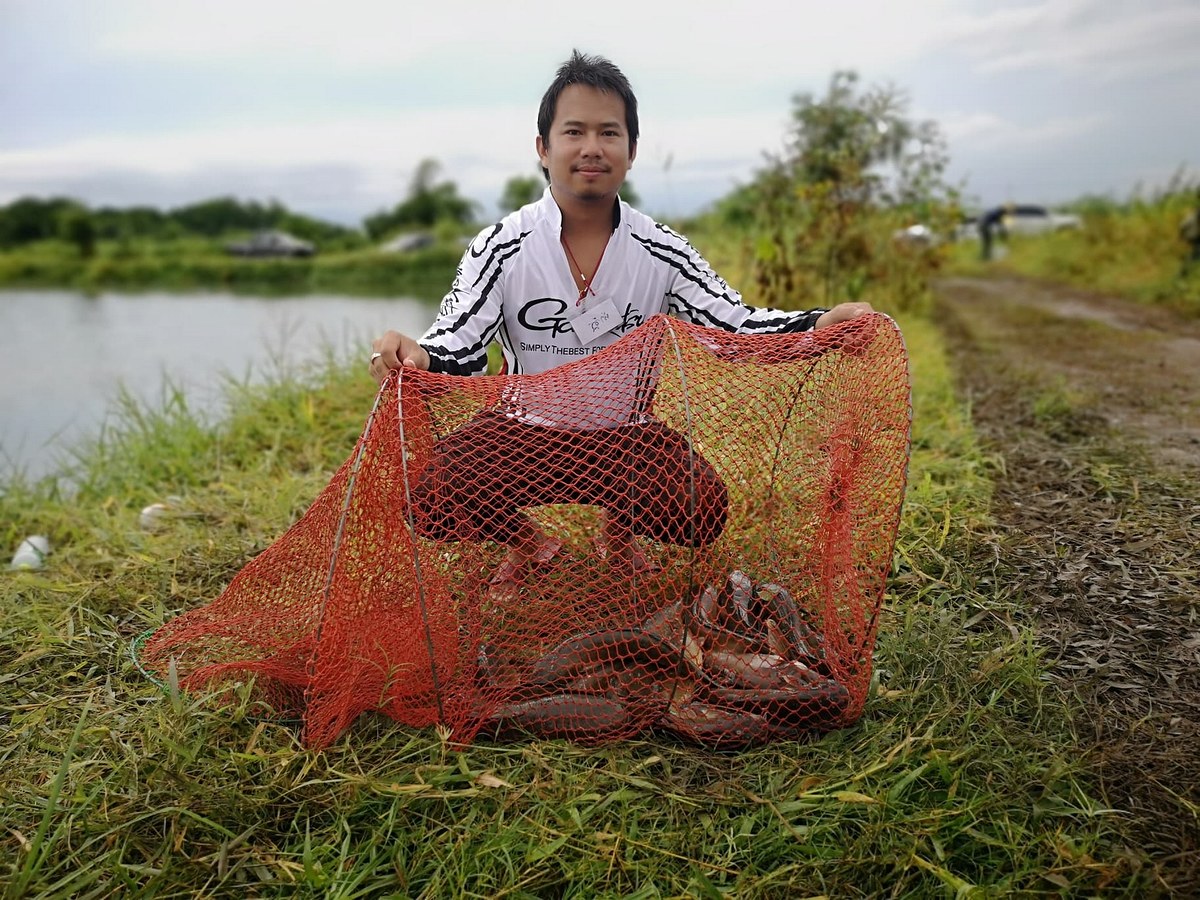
(328, 107)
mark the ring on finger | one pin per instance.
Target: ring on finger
(375, 355)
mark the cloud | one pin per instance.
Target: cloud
(977, 129)
(708, 39)
(1102, 38)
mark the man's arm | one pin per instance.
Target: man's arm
(700, 295)
(468, 319)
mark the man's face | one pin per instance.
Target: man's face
(588, 153)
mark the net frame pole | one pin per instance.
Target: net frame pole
(339, 533)
(777, 456)
(693, 586)
(412, 528)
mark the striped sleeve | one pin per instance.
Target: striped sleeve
(698, 294)
(470, 314)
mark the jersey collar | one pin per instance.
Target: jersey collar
(554, 214)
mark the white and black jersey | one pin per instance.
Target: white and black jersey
(514, 285)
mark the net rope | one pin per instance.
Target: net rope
(710, 520)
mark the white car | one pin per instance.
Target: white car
(1024, 219)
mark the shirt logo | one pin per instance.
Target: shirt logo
(545, 314)
(630, 319)
(549, 314)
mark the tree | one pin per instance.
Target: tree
(855, 166)
(223, 214)
(133, 222)
(76, 227)
(838, 137)
(428, 202)
(519, 190)
(30, 219)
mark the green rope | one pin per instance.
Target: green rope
(135, 649)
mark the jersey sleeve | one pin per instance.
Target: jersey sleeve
(470, 314)
(698, 294)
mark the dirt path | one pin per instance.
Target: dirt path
(1093, 403)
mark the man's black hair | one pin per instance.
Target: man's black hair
(594, 72)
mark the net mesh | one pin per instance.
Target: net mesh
(709, 521)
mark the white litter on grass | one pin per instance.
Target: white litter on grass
(31, 553)
(151, 518)
(154, 516)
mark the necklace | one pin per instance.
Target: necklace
(587, 282)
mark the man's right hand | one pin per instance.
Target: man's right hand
(393, 350)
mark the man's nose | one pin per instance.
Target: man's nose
(591, 144)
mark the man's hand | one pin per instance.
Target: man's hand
(394, 350)
(844, 312)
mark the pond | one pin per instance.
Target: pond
(64, 355)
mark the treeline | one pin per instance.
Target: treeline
(32, 219)
(429, 203)
(60, 242)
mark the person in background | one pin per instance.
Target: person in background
(991, 222)
(554, 281)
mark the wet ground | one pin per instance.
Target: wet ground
(1092, 404)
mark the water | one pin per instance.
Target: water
(64, 355)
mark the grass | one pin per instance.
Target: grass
(962, 779)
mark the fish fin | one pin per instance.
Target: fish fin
(776, 641)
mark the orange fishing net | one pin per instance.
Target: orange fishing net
(715, 515)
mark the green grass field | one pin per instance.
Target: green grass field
(964, 777)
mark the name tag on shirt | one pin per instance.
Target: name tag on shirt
(596, 321)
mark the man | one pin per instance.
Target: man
(554, 281)
(989, 223)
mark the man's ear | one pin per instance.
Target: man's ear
(542, 150)
(632, 153)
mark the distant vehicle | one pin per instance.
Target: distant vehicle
(406, 243)
(271, 243)
(1025, 219)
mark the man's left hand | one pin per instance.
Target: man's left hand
(844, 312)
